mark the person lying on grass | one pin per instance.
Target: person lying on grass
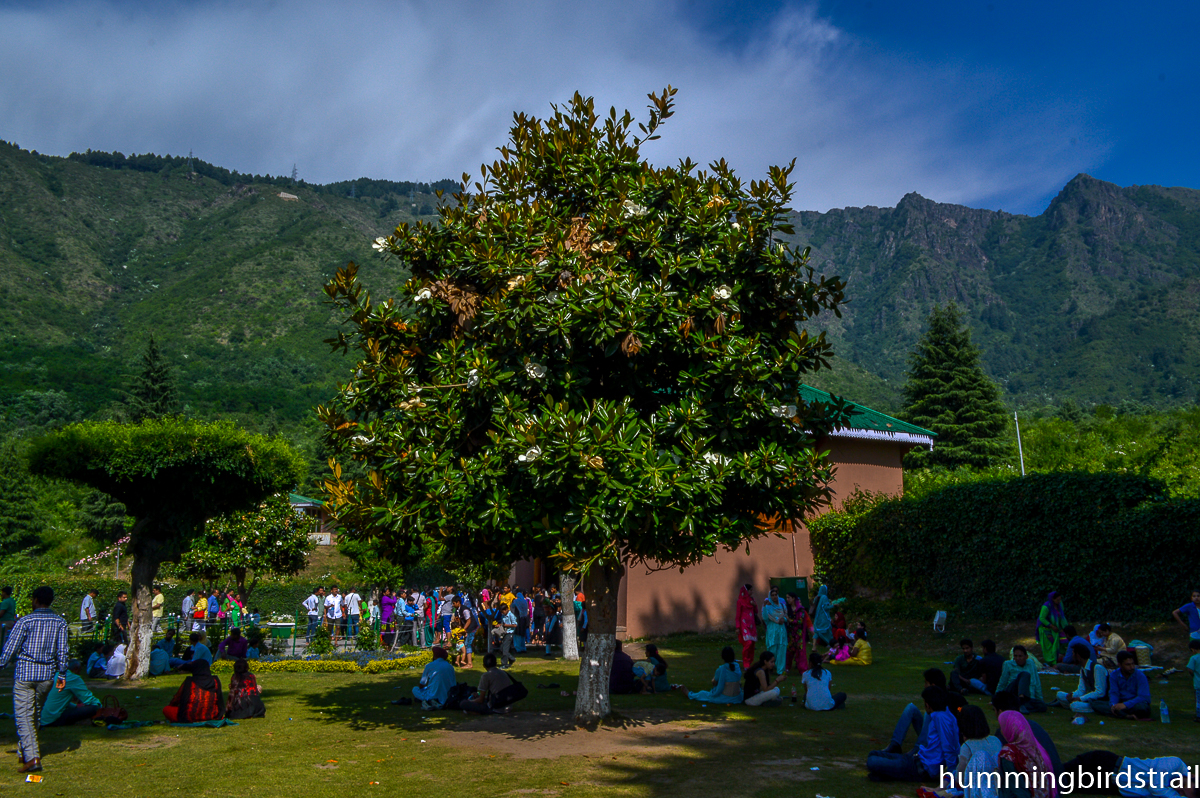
(1167, 774)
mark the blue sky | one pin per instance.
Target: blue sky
(989, 104)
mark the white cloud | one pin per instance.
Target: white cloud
(426, 90)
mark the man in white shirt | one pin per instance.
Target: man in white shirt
(353, 605)
(312, 606)
(333, 612)
(87, 611)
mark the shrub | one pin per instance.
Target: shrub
(1113, 544)
(322, 642)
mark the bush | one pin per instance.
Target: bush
(1113, 544)
(358, 664)
(322, 641)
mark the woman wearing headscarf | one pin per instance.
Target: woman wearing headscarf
(799, 628)
(1022, 753)
(198, 698)
(775, 616)
(746, 623)
(727, 682)
(245, 699)
(1051, 623)
(822, 627)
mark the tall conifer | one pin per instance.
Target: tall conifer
(153, 394)
(948, 392)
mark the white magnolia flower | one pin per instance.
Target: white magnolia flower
(473, 378)
(361, 440)
(535, 370)
(543, 263)
(422, 295)
(380, 244)
(531, 454)
(736, 226)
(783, 411)
(723, 292)
(712, 458)
(632, 210)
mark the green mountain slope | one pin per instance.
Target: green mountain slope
(1093, 300)
(226, 275)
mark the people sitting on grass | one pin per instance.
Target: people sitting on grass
(1003, 702)
(1163, 777)
(938, 750)
(622, 679)
(993, 665)
(200, 649)
(115, 662)
(968, 675)
(160, 662)
(436, 681)
(71, 703)
(198, 698)
(497, 690)
(857, 654)
(245, 696)
(1128, 691)
(655, 671)
(1093, 683)
(912, 716)
(1020, 677)
(978, 749)
(1023, 754)
(726, 682)
(1108, 646)
(233, 647)
(1068, 664)
(761, 685)
(818, 682)
(97, 662)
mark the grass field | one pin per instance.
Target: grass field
(335, 735)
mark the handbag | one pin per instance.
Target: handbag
(111, 714)
(198, 614)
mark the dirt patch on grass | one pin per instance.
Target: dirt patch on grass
(157, 742)
(549, 735)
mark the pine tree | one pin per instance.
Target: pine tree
(948, 392)
(153, 394)
(19, 522)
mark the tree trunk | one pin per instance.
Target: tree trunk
(600, 586)
(570, 639)
(146, 560)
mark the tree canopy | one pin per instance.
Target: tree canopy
(172, 475)
(595, 360)
(948, 392)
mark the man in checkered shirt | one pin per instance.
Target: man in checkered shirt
(39, 642)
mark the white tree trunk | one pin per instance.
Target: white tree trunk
(141, 620)
(570, 637)
(600, 587)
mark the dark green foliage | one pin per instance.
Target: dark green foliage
(1113, 544)
(153, 393)
(948, 392)
(101, 516)
(19, 523)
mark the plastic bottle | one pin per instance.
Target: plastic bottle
(1163, 714)
(793, 695)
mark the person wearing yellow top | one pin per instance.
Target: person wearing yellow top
(860, 652)
(199, 613)
(156, 608)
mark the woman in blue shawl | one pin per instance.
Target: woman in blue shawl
(822, 626)
(775, 616)
(1050, 625)
(727, 682)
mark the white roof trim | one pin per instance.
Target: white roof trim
(879, 435)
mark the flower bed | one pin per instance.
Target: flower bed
(350, 662)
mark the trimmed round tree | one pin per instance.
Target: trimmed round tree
(268, 540)
(172, 475)
(595, 361)
(947, 391)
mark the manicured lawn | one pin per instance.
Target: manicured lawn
(333, 735)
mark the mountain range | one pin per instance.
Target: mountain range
(1096, 300)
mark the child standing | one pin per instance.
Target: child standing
(1193, 667)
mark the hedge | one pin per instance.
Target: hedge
(1113, 544)
(411, 662)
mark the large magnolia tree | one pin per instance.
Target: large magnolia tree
(172, 475)
(595, 360)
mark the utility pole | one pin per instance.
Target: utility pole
(1020, 453)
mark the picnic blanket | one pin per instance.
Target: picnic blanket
(210, 724)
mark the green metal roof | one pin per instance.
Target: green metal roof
(871, 424)
(296, 498)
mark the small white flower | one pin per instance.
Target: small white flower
(723, 292)
(712, 458)
(632, 210)
(543, 263)
(380, 244)
(736, 226)
(531, 454)
(473, 378)
(422, 295)
(783, 411)
(361, 440)
(535, 370)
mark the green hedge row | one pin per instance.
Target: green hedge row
(1113, 544)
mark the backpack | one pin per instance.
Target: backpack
(456, 695)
